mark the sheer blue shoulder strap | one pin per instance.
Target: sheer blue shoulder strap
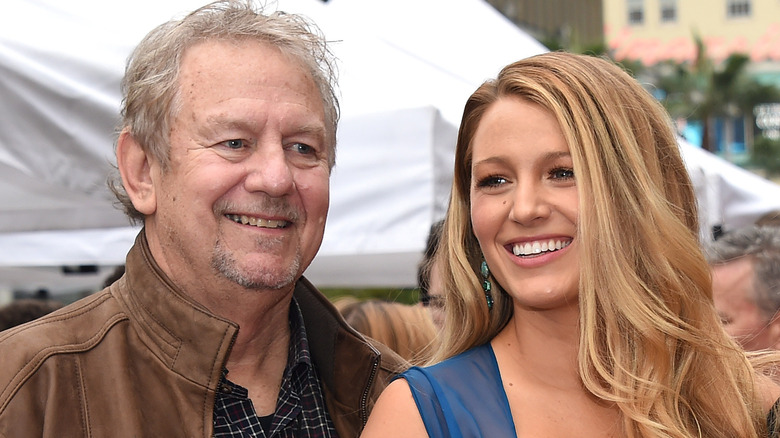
(437, 423)
(462, 397)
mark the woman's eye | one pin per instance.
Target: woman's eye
(562, 173)
(491, 181)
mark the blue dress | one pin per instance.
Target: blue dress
(462, 397)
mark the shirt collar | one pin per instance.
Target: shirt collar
(299, 354)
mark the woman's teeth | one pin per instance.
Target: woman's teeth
(534, 248)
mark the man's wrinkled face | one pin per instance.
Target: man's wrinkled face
(246, 194)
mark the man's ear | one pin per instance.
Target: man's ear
(135, 166)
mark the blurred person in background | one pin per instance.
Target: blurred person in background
(429, 279)
(406, 329)
(745, 266)
(115, 275)
(24, 310)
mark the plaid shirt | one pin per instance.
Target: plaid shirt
(300, 409)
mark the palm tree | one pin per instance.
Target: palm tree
(703, 91)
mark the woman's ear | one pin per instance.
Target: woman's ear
(135, 166)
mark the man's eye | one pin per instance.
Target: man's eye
(234, 143)
(302, 148)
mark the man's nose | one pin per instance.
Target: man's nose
(269, 171)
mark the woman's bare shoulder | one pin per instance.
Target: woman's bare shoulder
(395, 414)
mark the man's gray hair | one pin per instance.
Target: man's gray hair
(762, 246)
(150, 87)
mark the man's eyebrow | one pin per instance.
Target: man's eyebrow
(226, 122)
(312, 128)
(315, 129)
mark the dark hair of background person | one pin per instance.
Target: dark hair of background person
(115, 275)
(25, 310)
(424, 267)
(407, 329)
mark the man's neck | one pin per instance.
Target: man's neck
(259, 354)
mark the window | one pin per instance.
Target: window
(738, 8)
(668, 11)
(636, 11)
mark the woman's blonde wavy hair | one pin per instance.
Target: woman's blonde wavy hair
(650, 339)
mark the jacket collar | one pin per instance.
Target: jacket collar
(183, 334)
(347, 364)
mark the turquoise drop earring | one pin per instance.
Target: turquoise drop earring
(486, 286)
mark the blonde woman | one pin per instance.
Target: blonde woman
(580, 300)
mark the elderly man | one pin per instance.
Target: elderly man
(229, 127)
(746, 285)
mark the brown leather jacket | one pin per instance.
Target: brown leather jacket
(140, 359)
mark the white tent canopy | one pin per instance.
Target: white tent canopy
(406, 69)
(728, 195)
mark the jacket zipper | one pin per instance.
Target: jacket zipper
(364, 399)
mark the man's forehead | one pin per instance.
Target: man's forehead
(739, 267)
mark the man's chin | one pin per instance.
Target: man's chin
(265, 275)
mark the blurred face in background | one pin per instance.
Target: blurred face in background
(435, 300)
(733, 290)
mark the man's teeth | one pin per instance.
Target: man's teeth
(533, 248)
(257, 222)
